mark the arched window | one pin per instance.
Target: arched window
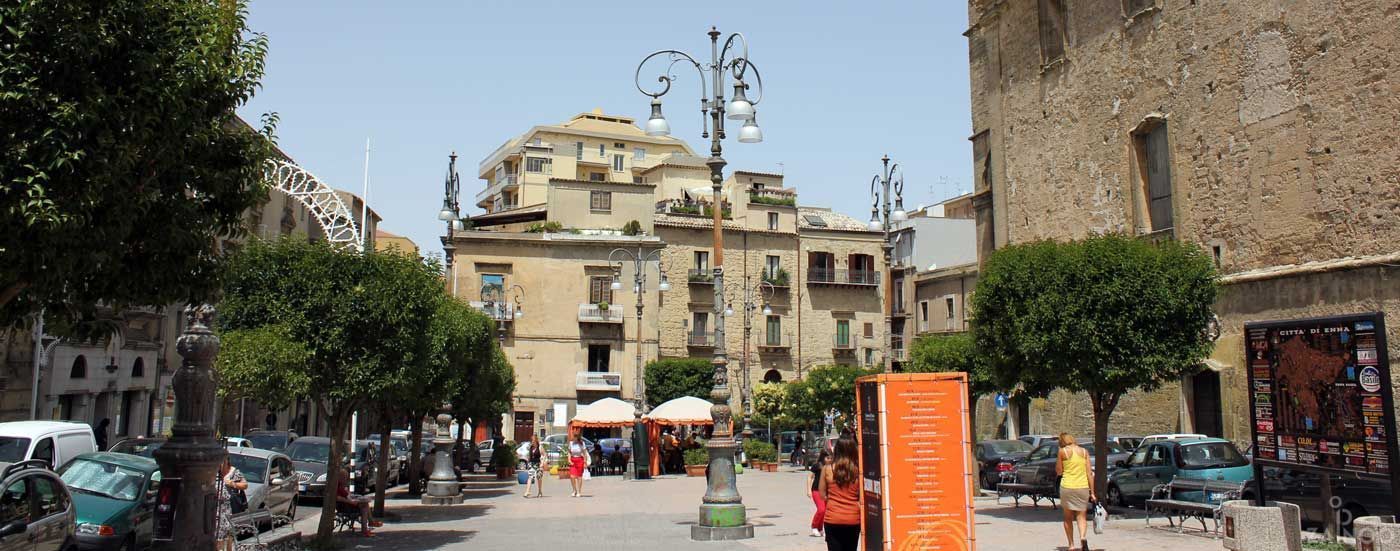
(79, 368)
(772, 376)
(138, 369)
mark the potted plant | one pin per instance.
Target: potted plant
(696, 461)
(762, 454)
(561, 465)
(603, 306)
(505, 462)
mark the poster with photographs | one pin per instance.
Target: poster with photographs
(1320, 394)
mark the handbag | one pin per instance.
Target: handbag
(1100, 517)
(237, 501)
(587, 475)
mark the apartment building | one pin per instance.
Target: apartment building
(569, 206)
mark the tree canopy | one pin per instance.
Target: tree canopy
(673, 378)
(822, 389)
(122, 163)
(952, 353)
(1103, 316)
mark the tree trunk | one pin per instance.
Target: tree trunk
(415, 452)
(338, 419)
(1103, 407)
(11, 291)
(461, 433)
(972, 414)
(381, 476)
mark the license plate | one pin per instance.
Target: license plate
(301, 487)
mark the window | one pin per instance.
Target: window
(44, 450)
(597, 177)
(537, 141)
(496, 281)
(773, 221)
(869, 330)
(598, 355)
(758, 186)
(1052, 30)
(138, 369)
(702, 260)
(1157, 456)
(771, 267)
(843, 333)
(1155, 157)
(578, 150)
(600, 289)
(639, 179)
(536, 165)
(52, 500)
(617, 163)
(923, 316)
(700, 322)
(869, 357)
(14, 503)
(600, 200)
(602, 150)
(79, 370)
(952, 313)
(775, 331)
(619, 145)
(639, 154)
(898, 305)
(862, 269)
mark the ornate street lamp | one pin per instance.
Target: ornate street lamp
(880, 194)
(189, 461)
(451, 214)
(641, 460)
(722, 514)
(750, 304)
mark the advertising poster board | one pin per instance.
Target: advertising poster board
(917, 474)
(1320, 396)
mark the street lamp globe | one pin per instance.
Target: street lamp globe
(616, 284)
(657, 125)
(739, 108)
(899, 215)
(875, 224)
(457, 224)
(665, 285)
(767, 311)
(750, 132)
(519, 312)
(446, 213)
(728, 310)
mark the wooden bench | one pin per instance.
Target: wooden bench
(1167, 500)
(1016, 491)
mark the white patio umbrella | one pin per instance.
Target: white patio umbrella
(605, 413)
(686, 410)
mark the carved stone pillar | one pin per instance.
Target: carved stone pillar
(443, 486)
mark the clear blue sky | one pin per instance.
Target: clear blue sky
(846, 83)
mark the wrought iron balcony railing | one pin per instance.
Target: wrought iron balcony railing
(594, 380)
(592, 313)
(842, 277)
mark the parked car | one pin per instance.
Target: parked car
(1356, 497)
(1160, 461)
(1035, 440)
(272, 481)
(55, 442)
(1038, 468)
(563, 440)
(997, 456)
(309, 455)
(484, 450)
(115, 498)
(363, 475)
(144, 447)
(275, 440)
(399, 461)
(237, 442)
(810, 453)
(1128, 443)
(50, 525)
(1172, 436)
(613, 444)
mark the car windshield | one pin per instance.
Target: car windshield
(12, 449)
(1129, 443)
(1112, 447)
(253, 468)
(1210, 455)
(104, 479)
(268, 441)
(137, 447)
(399, 445)
(309, 452)
(1007, 446)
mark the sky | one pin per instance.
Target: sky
(844, 83)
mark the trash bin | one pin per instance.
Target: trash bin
(1376, 533)
(1274, 527)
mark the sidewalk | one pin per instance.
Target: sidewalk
(655, 515)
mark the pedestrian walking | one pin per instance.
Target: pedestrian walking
(796, 456)
(101, 434)
(814, 481)
(231, 482)
(1076, 489)
(578, 463)
(534, 464)
(840, 489)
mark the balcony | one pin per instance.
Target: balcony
(826, 276)
(843, 343)
(598, 381)
(779, 343)
(700, 276)
(699, 209)
(498, 311)
(700, 340)
(591, 313)
(508, 182)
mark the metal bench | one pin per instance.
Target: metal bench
(1016, 490)
(1166, 500)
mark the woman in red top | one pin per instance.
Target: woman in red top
(353, 504)
(840, 487)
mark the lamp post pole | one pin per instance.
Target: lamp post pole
(880, 193)
(641, 451)
(451, 214)
(722, 515)
(749, 307)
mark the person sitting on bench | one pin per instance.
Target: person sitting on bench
(354, 505)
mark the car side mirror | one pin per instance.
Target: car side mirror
(16, 527)
(278, 481)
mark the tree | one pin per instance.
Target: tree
(486, 394)
(1103, 316)
(825, 388)
(768, 401)
(363, 318)
(954, 353)
(673, 378)
(262, 363)
(122, 163)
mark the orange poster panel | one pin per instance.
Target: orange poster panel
(916, 462)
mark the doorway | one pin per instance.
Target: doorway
(1205, 403)
(524, 425)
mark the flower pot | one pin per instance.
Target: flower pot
(564, 474)
(695, 470)
(770, 467)
(522, 477)
(502, 473)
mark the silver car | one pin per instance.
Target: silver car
(272, 484)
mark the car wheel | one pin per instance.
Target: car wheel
(1115, 496)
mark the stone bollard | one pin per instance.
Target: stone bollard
(444, 488)
(1274, 527)
(1376, 533)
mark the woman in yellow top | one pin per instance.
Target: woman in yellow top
(1076, 488)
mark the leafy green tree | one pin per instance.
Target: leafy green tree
(954, 353)
(486, 394)
(768, 401)
(362, 317)
(823, 389)
(123, 164)
(673, 378)
(262, 363)
(1103, 316)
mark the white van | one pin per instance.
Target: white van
(57, 442)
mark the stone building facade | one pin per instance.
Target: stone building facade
(1250, 128)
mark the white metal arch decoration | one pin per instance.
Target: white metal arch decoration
(321, 200)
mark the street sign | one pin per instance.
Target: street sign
(1002, 399)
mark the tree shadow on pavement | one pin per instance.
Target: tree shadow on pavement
(393, 540)
(440, 513)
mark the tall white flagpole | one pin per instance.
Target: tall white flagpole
(364, 202)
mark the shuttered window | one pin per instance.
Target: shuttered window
(1159, 178)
